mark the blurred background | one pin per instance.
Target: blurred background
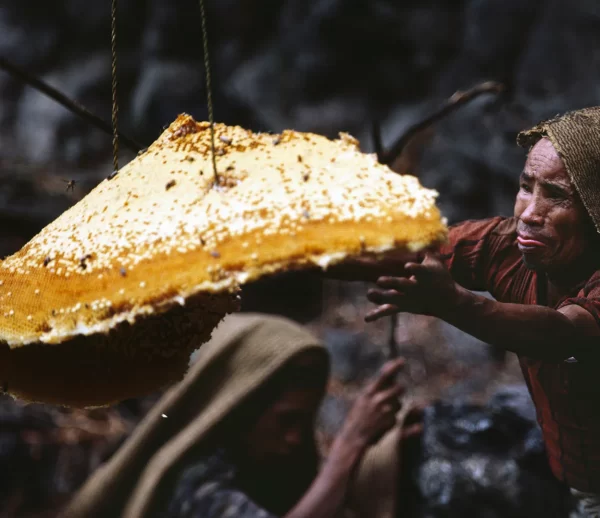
(312, 65)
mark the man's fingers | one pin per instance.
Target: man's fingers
(382, 311)
(416, 413)
(384, 297)
(390, 408)
(379, 297)
(415, 268)
(432, 256)
(408, 432)
(387, 374)
(390, 396)
(413, 425)
(396, 283)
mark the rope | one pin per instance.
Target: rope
(392, 344)
(209, 91)
(115, 106)
(378, 144)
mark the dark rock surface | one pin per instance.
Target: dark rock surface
(354, 357)
(486, 460)
(46, 453)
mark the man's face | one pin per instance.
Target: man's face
(553, 226)
(285, 429)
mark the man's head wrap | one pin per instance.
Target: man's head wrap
(576, 138)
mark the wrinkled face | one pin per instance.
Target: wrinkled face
(553, 227)
(286, 428)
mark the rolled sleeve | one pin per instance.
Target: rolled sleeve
(587, 298)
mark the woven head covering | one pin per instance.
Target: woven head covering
(576, 138)
(243, 354)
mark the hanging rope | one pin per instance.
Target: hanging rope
(378, 144)
(209, 90)
(115, 106)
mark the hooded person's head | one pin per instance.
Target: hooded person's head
(254, 389)
(558, 204)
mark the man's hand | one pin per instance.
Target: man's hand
(373, 414)
(428, 289)
(374, 411)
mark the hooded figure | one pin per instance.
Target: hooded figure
(184, 458)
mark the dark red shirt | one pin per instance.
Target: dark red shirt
(483, 256)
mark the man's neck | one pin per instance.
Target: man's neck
(562, 282)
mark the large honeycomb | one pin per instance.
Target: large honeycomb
(165, 229)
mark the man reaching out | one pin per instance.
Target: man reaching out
(543, 268)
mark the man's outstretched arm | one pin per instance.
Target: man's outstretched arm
(533, 331)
